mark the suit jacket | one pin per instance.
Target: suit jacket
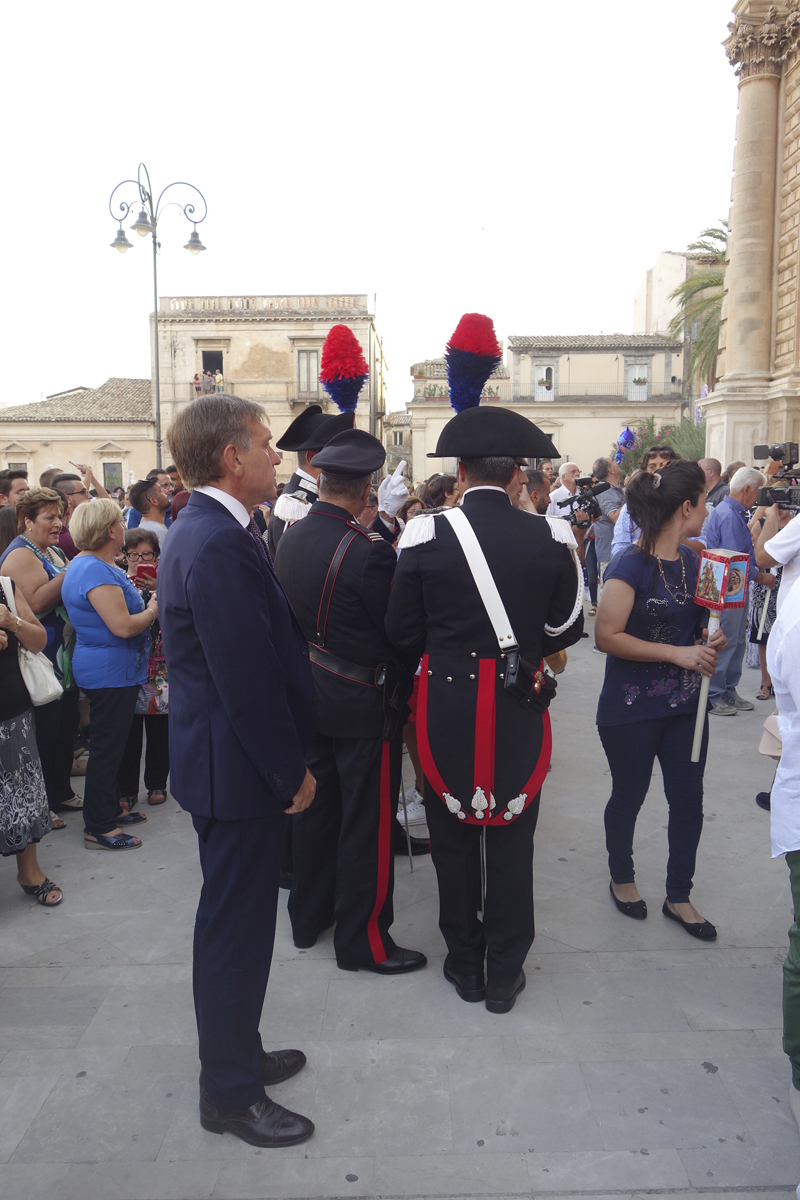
(354, 630)
(241, 695)
(483, 752)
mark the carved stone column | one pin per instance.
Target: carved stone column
(760, 39)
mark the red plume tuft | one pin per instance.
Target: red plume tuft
(341, 355)
(476, 334)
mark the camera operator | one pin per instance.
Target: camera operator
(779, 545)
(605, 470)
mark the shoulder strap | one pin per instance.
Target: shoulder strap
(487, 588)
(330, 583)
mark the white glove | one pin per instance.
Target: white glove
(393, 493)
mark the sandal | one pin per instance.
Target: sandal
(57, 822)
(104, 841)
(74, 804)
(765, 692)
(593, 611)
(129, 818)
(157, 796)
(42, 892)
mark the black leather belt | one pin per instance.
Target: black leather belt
(371, 676)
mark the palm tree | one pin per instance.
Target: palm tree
(700, 303)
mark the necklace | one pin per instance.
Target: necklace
(43, 554)
(680, 595)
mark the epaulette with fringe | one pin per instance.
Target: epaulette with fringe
(418, 530)
(562, 532)
(291, 507)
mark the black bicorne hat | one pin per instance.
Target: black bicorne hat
(313, 429)
(351, 455)
(492, 432)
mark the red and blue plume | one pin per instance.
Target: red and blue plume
(344, 367)
(472, 354)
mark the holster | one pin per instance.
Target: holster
(529, 685)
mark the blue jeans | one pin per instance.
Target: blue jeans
(730, 660)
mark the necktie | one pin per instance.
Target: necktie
(255, 534)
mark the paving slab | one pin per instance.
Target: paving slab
(414, 1093)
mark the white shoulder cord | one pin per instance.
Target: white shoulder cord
(561, 532)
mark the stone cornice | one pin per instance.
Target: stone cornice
(760, 45)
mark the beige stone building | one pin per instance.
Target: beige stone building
(581, 390)
(109, 428)
(757, 397)
(268, 349)
(397, 440)
(653, 308)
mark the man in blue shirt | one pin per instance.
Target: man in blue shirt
(727, 529)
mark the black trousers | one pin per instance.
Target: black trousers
(110, 716)
(342, 847)
(505, 934)
(631, 751)
(156, 755)
(56, 726)
(234, 934)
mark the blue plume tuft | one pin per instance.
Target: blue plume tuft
(344, 392)
(467, 373)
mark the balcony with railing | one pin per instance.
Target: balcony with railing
(549, 392)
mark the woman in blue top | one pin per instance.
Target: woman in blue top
(652, 631)
(112, 646)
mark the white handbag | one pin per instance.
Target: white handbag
(36, 670)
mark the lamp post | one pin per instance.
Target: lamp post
(147, 222)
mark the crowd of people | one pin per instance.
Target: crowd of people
(435, 616)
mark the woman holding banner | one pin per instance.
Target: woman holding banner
(652, 631)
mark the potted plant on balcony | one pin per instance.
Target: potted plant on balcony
(640, 382)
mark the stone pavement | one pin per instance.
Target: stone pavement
(637, 1062)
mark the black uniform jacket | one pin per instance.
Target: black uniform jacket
(483, 752)
(354, 630)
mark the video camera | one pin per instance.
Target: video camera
(786, 453)
(584, 500)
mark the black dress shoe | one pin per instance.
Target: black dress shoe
(764, 800)
(398, 963)
(275, 1066)
(263, 1124)
(502, 1000)
(698, 929)
(631, 908)
(469, 987)
(418, 845)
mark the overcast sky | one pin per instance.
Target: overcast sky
(527, 160)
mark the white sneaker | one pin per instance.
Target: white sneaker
(414, 810)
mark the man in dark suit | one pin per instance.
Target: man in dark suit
(242, 718)
(485, 747)
(338, 577)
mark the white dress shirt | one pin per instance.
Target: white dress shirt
(234, 506)
(783, 663)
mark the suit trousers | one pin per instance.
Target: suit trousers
(56, 726)
(110, 715)
(503, 934)
(234, 934)
(342, 848)
(156, 755)
(731, 659)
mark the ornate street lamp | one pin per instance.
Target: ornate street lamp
(147, 222)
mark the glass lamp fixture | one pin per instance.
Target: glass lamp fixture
(142, 224)
(120, 242)
(194, 245)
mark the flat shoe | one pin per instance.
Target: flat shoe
(631, 908)
(57, 822)
(704, 930)
(502, 1000)
(469, 987)
(121, 841)
(157, 796)
(399, 962)
(74, 804)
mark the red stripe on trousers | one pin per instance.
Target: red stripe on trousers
(429, 769)
(484, 730)
(384, 852)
